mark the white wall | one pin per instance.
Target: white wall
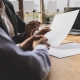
(77, 4)
(60, 3)
(15, 4)
(28, 6)
(52, 6)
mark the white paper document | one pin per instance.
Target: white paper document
(60, 27)
(65, 50)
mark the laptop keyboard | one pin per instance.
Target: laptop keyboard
(74, 32)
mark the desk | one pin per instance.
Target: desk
(65, 68)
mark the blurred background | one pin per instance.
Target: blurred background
(43, 10)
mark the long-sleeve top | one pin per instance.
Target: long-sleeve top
(16, 64)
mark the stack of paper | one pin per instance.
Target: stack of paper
(65, 50)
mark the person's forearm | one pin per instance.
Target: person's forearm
(23, 45)
(27, 44)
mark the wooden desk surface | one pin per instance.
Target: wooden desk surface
(66, 68)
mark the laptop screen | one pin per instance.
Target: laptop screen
(76, 25)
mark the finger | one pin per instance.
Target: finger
(37, 37)
(45, 38)
(50, 29)
(47, 27)
(43, 41)
(48, 45)
(48, 48)
(40, 36)
(31, 24)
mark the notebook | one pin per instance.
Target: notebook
(61, 26)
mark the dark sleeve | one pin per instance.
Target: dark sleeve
(20, 22)
(18, 38)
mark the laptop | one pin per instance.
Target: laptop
(75, 30)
